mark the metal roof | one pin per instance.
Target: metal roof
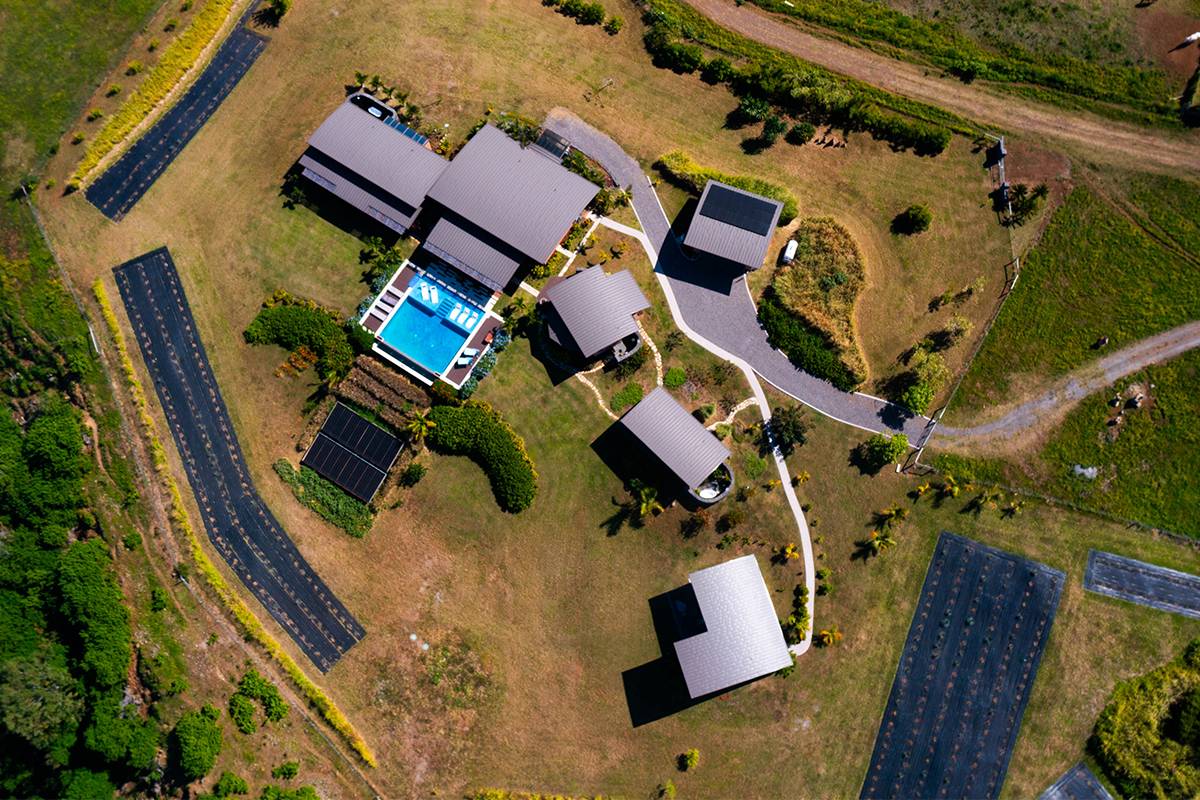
(358, 191)
(465, 247)
(677, 438)
(595, 309)
(378, 152)
(514, 193)
(712, 235)
(743, 640)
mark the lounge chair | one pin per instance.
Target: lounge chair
(424, 291)
(470, 352)
(453, 315)
(472, 321)
(433, 294)
(463, 361)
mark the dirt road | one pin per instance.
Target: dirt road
(1051, 406)
(1102, 138)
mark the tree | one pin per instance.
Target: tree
(197, 742)
(877, 542)
(881, 450)
(613, 26)
(753, 109)
(716, 70)
(420, 426)
(279, 8)
(39, 702)
(788, 427)
(773, 128)
(645, 499)
(83, 784)
(912, 220)
(801, 133)
(828, 637)
(688, 760)
(230, 784)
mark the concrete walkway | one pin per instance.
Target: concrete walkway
(656, 229)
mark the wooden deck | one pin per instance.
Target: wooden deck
(457, 375)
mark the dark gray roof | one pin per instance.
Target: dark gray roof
(358, 192)
(711, 232)
(468, 250)
(677, 438)
(595, 309)
(742, 640)
(371, 148)
(514, 193)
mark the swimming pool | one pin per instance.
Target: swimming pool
(421, 327)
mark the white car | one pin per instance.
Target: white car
(789, 251)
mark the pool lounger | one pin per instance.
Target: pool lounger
(433, 295)
(453, 315)
(424, 291)
(470, 352)
(471, 322)
(462, 362)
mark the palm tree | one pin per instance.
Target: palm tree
(360, 78)
(891, 515)
(950, 487)
(420, 426)
(920, 491)
(829, 637)
(1012, 509)
(646, 498)
(878, 541)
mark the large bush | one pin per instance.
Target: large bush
(292, 323)
(477, 431)
(197, 742)
(329, 502)
(682, 170)
(1137, 741)
(93, 602)
(804, 345)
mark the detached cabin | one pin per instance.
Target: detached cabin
(733, 224)
(593, 314)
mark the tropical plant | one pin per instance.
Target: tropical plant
(419, 427)
(828, 637)
(877, 542)
(645, 500)
(688, 760)
(891, 516)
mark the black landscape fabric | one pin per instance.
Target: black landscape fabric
(1146, 584)
(239, 524)
(124, 183)
(965, 674)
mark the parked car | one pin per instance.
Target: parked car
(789, 252)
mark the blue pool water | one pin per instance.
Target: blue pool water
(423, 333)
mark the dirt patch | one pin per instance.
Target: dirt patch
(1161, 31)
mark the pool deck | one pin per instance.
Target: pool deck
(456, 376)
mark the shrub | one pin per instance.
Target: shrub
(801, 133)
(77, 137)
(675, 377)
(229, 784)
(583, 12)
(93, 604)
(412, 474)
(477, 431)
(286, 771)
(177, 58)
(329, 502)
(112, 90)
(158, 599)
(171, 25)
(773, 128)
(804, 345)
(682, 170)
(731, 519)
(197, 742)
(881, 450)
(292, 323)
(754, 466)
(94, 115)
(912, 220)
(629, 395)
(789, 428)
(613, 26)
(152, 45)
(689, 760)
(629, 367)
(241, 711)
(716, 70)
(606, 201)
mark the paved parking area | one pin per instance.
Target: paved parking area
(1142, 583)
(239, 524)
(965, 674)
(124, 183)
(1078, 783)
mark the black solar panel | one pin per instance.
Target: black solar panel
(370, 442)
(352, 453)
(739, 210)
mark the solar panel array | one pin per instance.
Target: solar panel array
(738, 210)
(352, 453)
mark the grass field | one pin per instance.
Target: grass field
(532, 618)
(1095, 273)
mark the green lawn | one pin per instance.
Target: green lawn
(1093, 274)
(1147, 465)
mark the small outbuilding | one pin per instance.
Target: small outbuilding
(733, 224)
(591, 313)
(687, 449)
(740, 638)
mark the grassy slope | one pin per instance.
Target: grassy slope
(1094, 273)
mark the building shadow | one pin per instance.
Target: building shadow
(556, 361)
(701, 269)
(297, 192)
(631, 461)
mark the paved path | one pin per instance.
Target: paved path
(716, 304)
(627, 173)
(1079, 384)
(1118, 141)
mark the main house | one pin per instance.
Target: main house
(484, 218)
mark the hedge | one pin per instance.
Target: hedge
(292, 323)
(1132, 743)
(176, 60)
(806, 347)
(228, 596)
(681, 169)
(477, 431)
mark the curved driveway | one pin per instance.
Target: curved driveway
(716, 304)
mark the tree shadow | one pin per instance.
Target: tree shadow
(860, 460)
(266, 17)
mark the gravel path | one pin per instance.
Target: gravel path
(1087, 380)
(716, 303)
(1117, 141)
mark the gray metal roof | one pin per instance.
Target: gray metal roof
(514, 193)
(739, 245)
(371, 148)
(679, 440)
(596, 309)
(743, 640)
(470, 252)
(391, 212)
